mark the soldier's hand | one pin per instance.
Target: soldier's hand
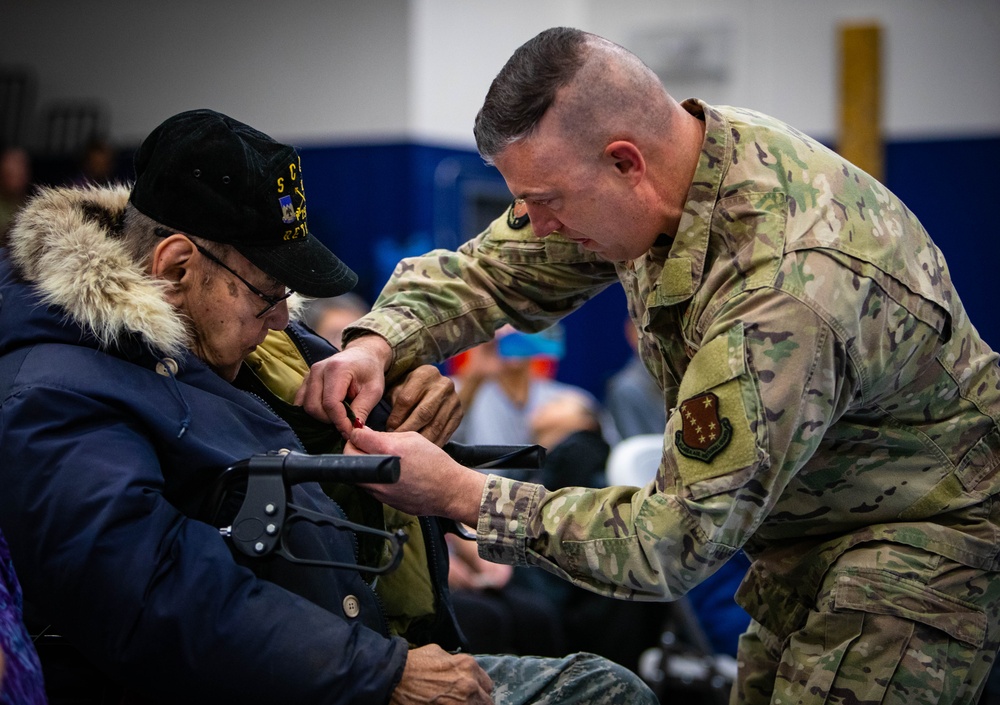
(356, 374)
(432, 675)
(425, 402)
(430, 481)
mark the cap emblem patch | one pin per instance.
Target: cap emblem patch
(287, 209)
(292, 199)
(704, 434)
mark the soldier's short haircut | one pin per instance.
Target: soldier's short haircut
(526, 87)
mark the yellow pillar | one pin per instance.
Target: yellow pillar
(860, 128)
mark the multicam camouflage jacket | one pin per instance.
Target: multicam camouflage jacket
(825, 386)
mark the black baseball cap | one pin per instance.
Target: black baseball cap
(211, 176)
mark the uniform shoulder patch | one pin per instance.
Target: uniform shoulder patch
(517, 215)
(704, 433)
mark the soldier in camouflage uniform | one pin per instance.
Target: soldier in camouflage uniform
(831, 409)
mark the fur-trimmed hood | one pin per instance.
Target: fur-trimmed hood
(64, 243)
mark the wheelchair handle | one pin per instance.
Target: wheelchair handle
(259, 526)
(365, 469)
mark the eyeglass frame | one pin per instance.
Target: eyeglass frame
(272, 301)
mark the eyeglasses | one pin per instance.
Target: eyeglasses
(272, 301)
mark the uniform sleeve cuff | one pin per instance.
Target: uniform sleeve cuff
(502, 532)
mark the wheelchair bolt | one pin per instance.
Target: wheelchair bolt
(258, 547)
(270, 509)
(271, 529)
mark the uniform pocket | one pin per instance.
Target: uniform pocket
(875, 592)
(813, 656)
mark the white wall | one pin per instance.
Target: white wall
(302, 70)
(941, 60)
(458, 48)
(315, 71)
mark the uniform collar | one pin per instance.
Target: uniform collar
(684, 265)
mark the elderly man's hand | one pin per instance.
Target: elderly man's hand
(430, 482)
(356, 374)
(425, 402)
(432, 675)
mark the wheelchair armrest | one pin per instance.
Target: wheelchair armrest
(500, 457)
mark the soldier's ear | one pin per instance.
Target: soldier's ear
(626, 158)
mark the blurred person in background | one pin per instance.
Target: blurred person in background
(502, 385)
(568, 425)
(504, 381)
(98, 164)
(497, 613)
(15, 185)
(328, 317)
(632, 398)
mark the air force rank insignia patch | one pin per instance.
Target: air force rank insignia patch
(703, 434)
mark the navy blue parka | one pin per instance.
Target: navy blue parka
(106, 424)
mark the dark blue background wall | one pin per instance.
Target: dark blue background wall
(950, 185)
(375, 204)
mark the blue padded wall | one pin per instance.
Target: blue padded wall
(950, 185)
(376, 203)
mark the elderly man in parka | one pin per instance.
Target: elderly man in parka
(132, 371)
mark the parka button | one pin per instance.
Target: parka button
(166, 367)
(352, 607)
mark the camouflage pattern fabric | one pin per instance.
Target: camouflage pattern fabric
(827, 390)
(580, 679)
(892, 624)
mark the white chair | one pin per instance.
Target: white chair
(683, 664)
(633, 462)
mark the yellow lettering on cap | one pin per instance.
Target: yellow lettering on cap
(281, 184)
(292, 171)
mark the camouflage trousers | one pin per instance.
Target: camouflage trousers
(578, 679)
(891, 624)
